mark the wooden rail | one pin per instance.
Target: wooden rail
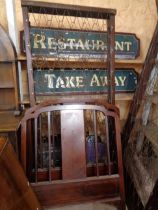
(15, 193)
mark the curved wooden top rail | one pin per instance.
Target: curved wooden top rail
(15, 192)
(100, 102)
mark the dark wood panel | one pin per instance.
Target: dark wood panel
(73, 144)
(15, 192)
(61, 192)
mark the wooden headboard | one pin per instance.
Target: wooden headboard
(76, 148)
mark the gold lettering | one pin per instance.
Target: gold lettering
(122, 80)
(100, 45)
(52, 43)
(87, 45)
(39, 41)
(60, 83)
(71, 43)
(116, 81)
(104, 81)
(79, 82)
(94, 44)
(80, 45)
(61, 44)
(128, 44)
(119, 46)
(50, 78)
(95, 81)
(69, 82)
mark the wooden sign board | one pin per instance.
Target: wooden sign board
(80, 44)
(82, 81)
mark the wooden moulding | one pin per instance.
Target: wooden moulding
(15, 192)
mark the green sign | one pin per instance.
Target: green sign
(81, 44)
(86, 80)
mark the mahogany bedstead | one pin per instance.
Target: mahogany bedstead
(57, 139)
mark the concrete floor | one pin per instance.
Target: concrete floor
(87, 206)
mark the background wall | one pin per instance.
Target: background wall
(133, 16)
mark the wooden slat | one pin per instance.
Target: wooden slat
(73, 144)
(96, 141)
(108, 145)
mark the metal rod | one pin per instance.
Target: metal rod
(49, 146)
(28, 56)
(107, 144)
(52, 131)
(96, 142)
(40, 137)
(111, 58)
(36, 145)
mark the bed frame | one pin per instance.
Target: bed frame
(75, 180)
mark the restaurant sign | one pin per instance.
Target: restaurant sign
(79, 81)
(81, 44)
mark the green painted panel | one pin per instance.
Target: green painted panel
(87, 80)
(53, 42)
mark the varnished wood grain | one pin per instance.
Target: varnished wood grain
(73, 144)
(15, 193)
(8, 122)
(62, 193)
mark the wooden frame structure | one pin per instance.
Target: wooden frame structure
(71, 10)
(105, 184)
